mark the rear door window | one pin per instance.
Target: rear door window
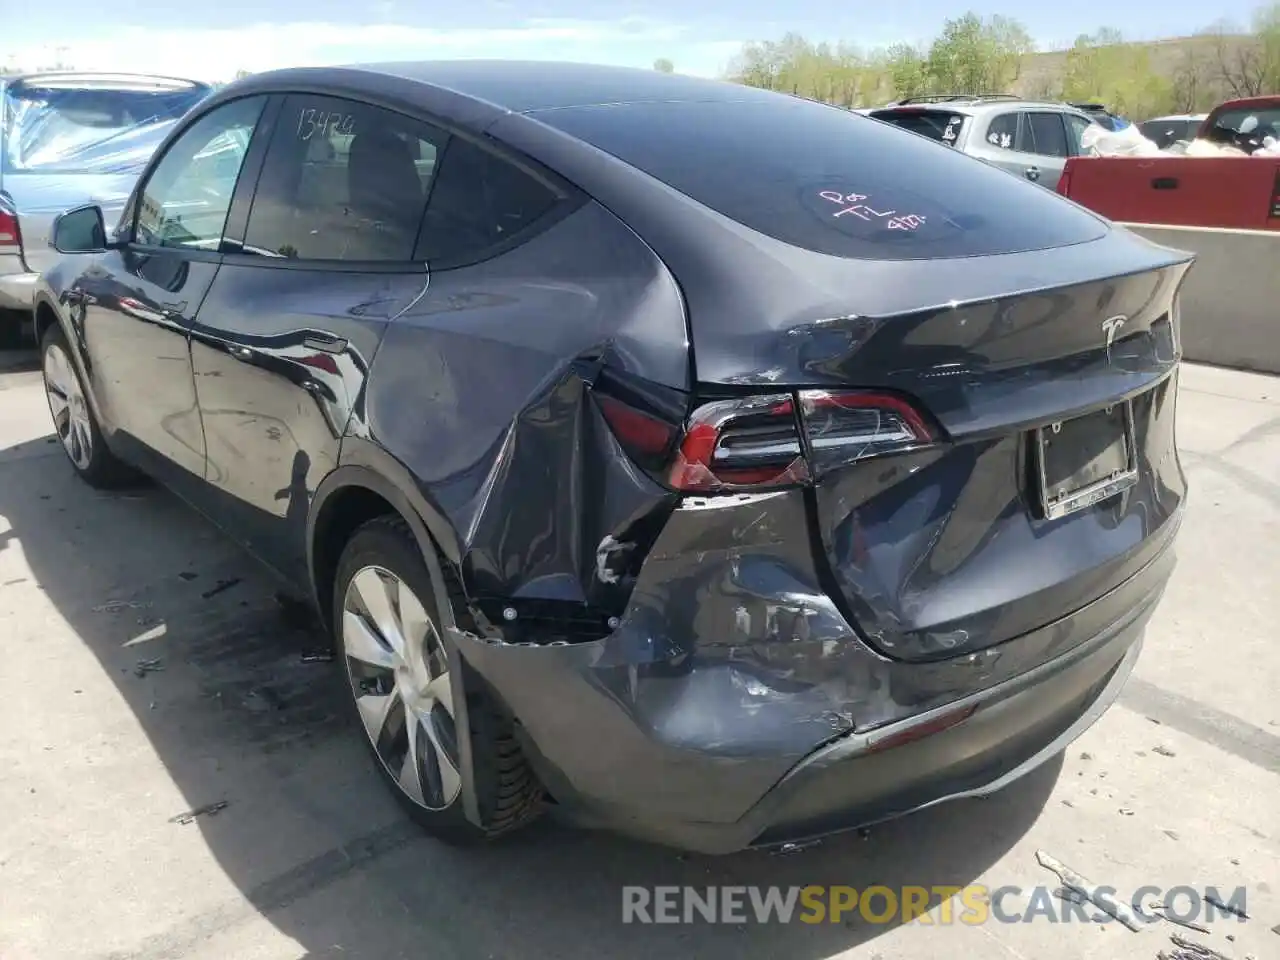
(1048, 137)
(941, 125)
(342, 180)
(829, 181)
(87, 125)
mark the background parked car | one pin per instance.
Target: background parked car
(1164, 132)
(68, 139)
(1029, 138)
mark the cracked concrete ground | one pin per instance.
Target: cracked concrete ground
(1178, 784)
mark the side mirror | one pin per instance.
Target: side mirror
(82, 230)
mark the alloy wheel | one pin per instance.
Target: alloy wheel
(399, 676)
(68, 406)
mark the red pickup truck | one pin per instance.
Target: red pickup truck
(1231, 192)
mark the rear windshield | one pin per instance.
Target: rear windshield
(1245, 127)
(1166, 132)
(829, 180)
(61, 126)
(941, 125)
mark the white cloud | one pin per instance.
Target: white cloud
(216, 54)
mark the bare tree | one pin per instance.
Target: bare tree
(1191, 85)
(1237, 60)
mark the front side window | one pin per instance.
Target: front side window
(185, 200)
(1077, 126)
(342, 180)
(1048, 135)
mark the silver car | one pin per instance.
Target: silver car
(1026, 137)
(67, 139)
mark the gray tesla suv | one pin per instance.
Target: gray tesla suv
(697, 461)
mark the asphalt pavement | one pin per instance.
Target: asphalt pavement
(148, 672)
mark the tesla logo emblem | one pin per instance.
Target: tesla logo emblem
(1110, 327)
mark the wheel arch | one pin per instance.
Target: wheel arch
(355, 493)
(345, 500)
(45, 315)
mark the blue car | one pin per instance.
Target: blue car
(67, 139)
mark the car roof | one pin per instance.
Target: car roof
(976, 105)
(517, 86)
(104, 80)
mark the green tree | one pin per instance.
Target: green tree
(1266, 28)
(972, 55)
(663, 65)
(908, 72)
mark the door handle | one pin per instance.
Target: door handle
(1033, 173)
(324, 343)
(1164, 183)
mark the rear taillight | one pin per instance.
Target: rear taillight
(10, 238)
(766, 442)
(1275, 195)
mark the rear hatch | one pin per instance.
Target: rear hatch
(974, 379)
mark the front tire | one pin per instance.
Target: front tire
(74, 421)
(391, 639)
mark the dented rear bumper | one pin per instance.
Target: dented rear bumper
(735, 705)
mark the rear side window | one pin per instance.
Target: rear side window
(479, 202)
(342, 180)
(939, 125)
(828, 180)
(1048, 135)
(69, 125)
(1002, 131)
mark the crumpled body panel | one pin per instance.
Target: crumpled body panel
(731, 665)
(483, 390)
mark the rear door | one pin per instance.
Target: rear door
(313, 272)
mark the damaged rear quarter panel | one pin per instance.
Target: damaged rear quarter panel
(482, 391)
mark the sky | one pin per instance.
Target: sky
(212, 40)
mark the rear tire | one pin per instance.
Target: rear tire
(390, 640)
(74, 422)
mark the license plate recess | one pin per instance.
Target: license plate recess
(1085, 460)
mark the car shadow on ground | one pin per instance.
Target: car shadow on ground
(221, 679)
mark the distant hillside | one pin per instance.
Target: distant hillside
(1202, 70)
